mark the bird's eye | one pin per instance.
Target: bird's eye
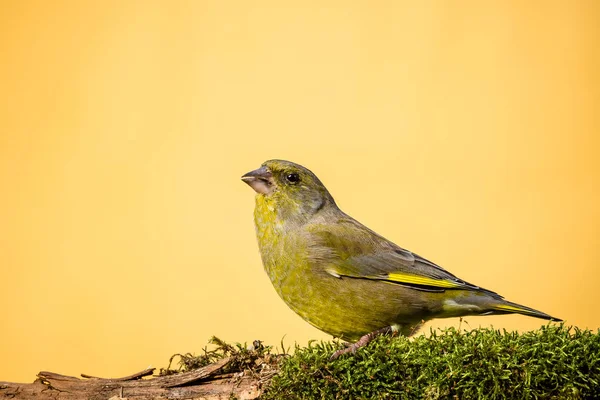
(292, 178)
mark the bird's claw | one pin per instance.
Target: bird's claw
(350, 348)
(363, 341)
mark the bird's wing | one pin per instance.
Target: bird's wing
(349, 249)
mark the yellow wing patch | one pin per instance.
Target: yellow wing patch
(423, 280)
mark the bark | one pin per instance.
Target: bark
(204, 383)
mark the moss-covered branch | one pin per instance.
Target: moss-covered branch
(552, 362)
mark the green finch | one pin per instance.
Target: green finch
(342, 277)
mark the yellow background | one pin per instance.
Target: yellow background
(465, 131)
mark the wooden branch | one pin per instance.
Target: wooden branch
(137, 375)
(202, 383)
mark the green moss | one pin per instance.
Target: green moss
(553, 362)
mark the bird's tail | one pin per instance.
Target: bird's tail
(507, 307)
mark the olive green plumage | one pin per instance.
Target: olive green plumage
(342, 277)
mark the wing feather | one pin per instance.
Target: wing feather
(349, 249)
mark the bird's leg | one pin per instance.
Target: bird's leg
(363, 341)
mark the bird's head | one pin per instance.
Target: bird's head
(290, 187)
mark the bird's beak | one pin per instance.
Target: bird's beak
(261, 180)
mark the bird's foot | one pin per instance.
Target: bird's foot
(363, 341)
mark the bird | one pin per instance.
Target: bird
(342, 277)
